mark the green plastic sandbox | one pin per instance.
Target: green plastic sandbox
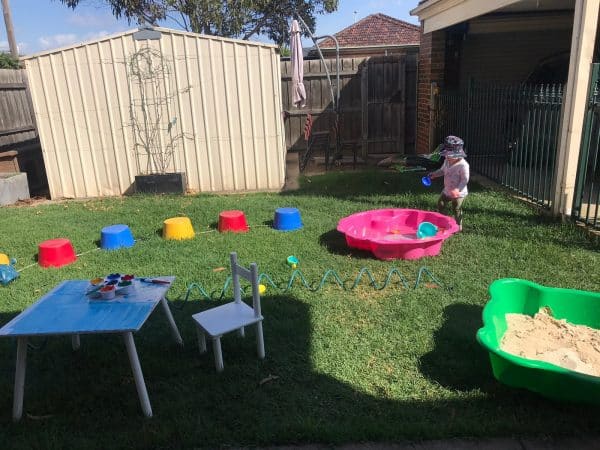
(512, 295)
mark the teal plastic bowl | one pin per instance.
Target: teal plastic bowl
(426, 229)
(512, 295)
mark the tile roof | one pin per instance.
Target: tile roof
(375, 30)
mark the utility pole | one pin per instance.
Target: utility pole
(10, 32)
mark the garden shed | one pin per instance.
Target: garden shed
(159, 101)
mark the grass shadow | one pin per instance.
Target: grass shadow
(281, 399)
(335, 242)
(368, 183)
(457, 361)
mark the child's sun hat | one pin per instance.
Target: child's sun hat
(453, 147)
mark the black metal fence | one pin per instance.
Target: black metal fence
(510, 133)
(587, 187)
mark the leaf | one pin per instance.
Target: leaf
(268, 379)
(32, 417)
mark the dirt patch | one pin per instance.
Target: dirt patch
(544, 338)
(34, 201)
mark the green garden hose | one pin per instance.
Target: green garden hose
(330, 273)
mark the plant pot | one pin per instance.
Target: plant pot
(161, 183)
(13, 187)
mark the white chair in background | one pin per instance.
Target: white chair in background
(236, 315)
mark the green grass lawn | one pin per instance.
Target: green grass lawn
(361, 365)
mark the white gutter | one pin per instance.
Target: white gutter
(440, 14)
(422, 7)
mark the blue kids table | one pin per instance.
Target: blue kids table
(67, 310)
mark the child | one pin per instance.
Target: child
(455, 171)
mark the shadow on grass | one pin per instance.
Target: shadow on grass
(457, 360)
(335, 242)
(73, 399)
(351, 185)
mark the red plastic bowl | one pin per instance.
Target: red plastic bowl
(234, 221)
(56, 253)
(392, 233)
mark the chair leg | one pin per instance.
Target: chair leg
(75, 342)
(241, 332)
(218, 354)
(201, 340)
(260, 342)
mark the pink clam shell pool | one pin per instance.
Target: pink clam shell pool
(392, 233)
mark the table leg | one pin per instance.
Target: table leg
(138, 377)
(75, 342)
(20, 378)
(174, 329)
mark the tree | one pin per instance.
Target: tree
(228, 18)
(8, 62)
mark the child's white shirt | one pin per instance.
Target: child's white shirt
(456, 176)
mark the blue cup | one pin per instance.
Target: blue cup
(426, 181)
(115, 237)
(287, 219)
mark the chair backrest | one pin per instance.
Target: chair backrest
(251, 275)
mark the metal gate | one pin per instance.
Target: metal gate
(510, 133)
(587, 186)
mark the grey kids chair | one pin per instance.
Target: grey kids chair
(236, 315)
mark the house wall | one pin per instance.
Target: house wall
(224, 103)
(509, 57)
(432, 56)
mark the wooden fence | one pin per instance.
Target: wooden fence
(20, 149)
(377, 103)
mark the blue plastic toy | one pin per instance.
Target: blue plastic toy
(116, 236)
(8, 272)
(426, 181)
(287, 219)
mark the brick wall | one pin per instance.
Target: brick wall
(431, 69)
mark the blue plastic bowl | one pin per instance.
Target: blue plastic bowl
(426, 181)
(116, 236)
(287, 219)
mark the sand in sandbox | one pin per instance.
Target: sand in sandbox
(544, 338)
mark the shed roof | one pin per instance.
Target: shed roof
(376, 30)
(128, 32)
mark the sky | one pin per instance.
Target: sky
(47, 24)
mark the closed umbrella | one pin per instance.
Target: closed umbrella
(298, 91)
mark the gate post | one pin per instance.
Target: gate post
(582, 49)
(585, 143)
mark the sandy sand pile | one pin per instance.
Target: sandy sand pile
(544, 338)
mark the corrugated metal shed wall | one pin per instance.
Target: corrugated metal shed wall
(227, 105)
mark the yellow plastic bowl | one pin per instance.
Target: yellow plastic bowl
(178, 228)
